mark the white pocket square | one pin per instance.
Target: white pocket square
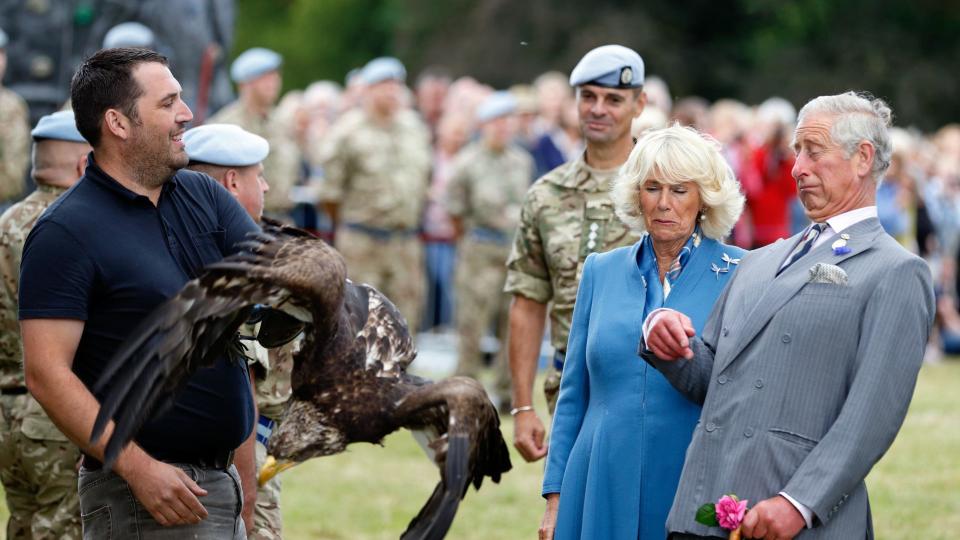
(827, 273)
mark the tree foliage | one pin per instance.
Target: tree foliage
(905, 52)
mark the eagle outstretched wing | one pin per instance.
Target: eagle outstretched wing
(470, 448)
(389, 346)
(283, 268)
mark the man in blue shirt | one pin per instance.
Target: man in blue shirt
(128, 236)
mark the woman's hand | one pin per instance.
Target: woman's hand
(549, 521)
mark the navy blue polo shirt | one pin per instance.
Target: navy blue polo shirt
(107, 256)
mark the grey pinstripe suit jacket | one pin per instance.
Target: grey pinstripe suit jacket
(804, 385)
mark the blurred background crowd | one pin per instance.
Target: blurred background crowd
(304, 99)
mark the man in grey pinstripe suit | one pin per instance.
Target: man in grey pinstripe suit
(809, 360)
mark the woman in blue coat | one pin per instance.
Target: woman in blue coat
(620, 431)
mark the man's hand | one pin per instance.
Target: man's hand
(166, 492)
(549, 522)
(669, 336)
(772, 519)
(528, 435)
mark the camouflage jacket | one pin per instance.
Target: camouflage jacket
(14, 144)
(566, 215)
(271, 371)
(282, 166)
(15, 224)
(487, 188)
(378, 174)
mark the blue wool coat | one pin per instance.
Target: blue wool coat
(620, 431)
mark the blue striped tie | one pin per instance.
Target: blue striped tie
(804, 247)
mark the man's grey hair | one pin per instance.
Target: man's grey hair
(858, 116)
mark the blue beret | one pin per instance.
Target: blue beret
(253, 63)
(382, 69)
(128, 34)
(355, 72)
(60, 125)
(226, 145)
(612, 66)
(496, 105)
(3, 39)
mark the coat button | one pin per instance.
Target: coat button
(759, 383)
(722, 379)
(786, 338)
(726, 332)
(748, 432)
(711, 426)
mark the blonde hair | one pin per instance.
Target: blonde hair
(674, 155)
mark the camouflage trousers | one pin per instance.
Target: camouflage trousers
(481, 305)
(393, 265)
(38, 468)
(551, 388)
(267, 520)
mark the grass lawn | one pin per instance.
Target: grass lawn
(372, 492)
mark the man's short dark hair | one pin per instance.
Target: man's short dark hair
(105, 81)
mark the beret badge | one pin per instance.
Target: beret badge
(626, 75)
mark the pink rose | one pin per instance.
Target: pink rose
(730, 512)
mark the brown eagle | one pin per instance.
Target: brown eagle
(349, 378)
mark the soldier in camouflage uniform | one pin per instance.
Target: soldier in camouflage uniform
(377, 161)
(14, 137)
(271, 372)
(257, 75)
(38, 465)
(567, 215)
(234, 157)
(487, 185)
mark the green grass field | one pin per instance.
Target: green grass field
(372, 492)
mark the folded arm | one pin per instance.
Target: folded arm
(669, 345)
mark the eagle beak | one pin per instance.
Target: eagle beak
(272, 467)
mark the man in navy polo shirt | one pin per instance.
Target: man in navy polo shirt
(127, 237)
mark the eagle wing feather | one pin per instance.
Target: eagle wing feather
(284, 268)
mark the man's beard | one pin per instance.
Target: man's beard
(152, 163)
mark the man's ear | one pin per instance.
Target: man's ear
(865, 153)
(231, 181)
(641, 102)
(82, 164)
(117, 123)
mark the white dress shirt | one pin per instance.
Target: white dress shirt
(838, 224)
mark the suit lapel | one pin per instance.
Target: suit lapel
(776, 291)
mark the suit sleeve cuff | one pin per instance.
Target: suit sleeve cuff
(804, 511)
(651, 319)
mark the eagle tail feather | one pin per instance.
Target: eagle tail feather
(436, 516)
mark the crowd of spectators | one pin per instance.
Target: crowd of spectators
(918, 201)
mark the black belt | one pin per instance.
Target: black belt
(558, 358)
(488, 235)
(380, 233)
(14, 391)
(220, 461)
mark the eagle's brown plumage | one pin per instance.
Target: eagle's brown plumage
(349, 378)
